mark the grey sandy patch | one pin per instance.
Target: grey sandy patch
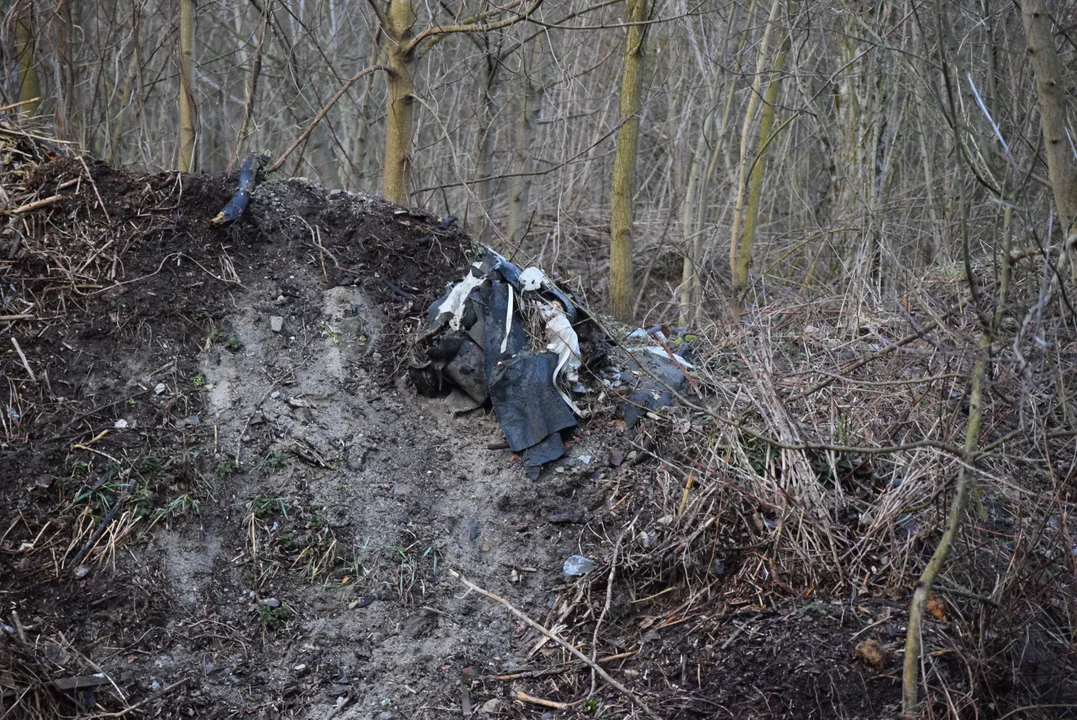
(409, 489)
(187, 557)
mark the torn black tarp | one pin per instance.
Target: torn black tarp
(478, 349)
(477, 343)
(529, 409)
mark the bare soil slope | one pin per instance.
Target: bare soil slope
(230, 519)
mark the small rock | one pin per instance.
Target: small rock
(577, 566)
(276, 323)
(490, 707)
(300, 669)
(81, 571)
(279, 301)
(351, 325)
(460, 402)
(275, 394)
(121, 424)
(159, 389)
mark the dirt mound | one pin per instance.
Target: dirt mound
(221, 498)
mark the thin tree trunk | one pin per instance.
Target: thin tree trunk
(910, 697)
(122, 111)
(527, 115)
(755, 183)
(361, 166)
(624, 164)
(691, 295)
(61, 64)
(252, 89)
(1051, 91)
(26, 54)
(400, 116)
(737, 266)
(688, 212)
(187, 108)
(484, 143)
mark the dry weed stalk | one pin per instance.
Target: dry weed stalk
(822, 461)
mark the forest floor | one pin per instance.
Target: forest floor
(203, 516)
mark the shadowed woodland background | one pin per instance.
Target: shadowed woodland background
(866, 208)
(515, 128)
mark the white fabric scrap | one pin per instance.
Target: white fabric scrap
(563, 341)
(508, 320)
(661, 352)
(532, 279)
(456, 302)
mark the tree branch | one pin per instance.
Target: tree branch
(434, 34)
(322, 113)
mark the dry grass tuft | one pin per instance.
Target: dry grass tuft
(819, 460)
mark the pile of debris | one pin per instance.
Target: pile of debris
(511, 338)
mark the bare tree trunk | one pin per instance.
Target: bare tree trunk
(484, 142)
(187, 108)
(252, 89)
(527, 115)
(1051, 90)
(26, 55)
(400, 116)
(123, 109)
(695, 294)
(624, 164)
(738, 264)
(61, 65)
(689, 272)
(362, 165)
(746, 244)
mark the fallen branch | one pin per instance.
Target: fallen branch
(89, 176)
(35, 205)
(524, 697)
(159, 694)
(22, 357)
(563, 643)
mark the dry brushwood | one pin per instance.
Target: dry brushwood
(562, 642)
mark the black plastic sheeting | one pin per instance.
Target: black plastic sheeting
(488, 359)
(658, 380)
(517, 382)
